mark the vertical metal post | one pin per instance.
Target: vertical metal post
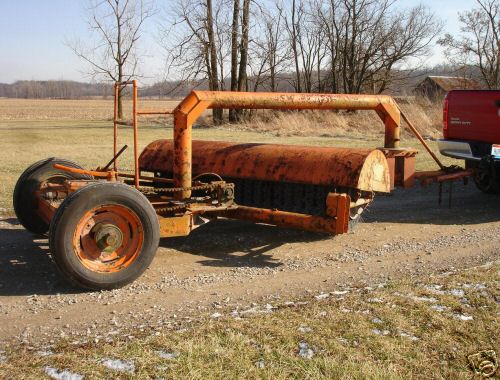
(183, 154)
(136, 143)
(115, 125)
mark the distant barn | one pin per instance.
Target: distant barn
(436, 87)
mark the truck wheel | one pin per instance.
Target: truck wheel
(104, 236)
(487, 176)
(24, 199)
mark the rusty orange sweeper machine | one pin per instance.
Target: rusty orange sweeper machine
(104, 225)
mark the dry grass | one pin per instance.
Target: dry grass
(50, 109)
(426, 116)
(390, 332)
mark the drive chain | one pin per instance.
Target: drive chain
(177, 189)
(180, 207)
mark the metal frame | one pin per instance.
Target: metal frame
(188, 111)
(119, 86)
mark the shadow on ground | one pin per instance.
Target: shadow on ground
(232, 243)
(25, 264)
(420, 205)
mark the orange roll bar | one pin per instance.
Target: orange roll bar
(197, 102)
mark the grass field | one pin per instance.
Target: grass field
(82, 109)
(90, 144)
(400, 330)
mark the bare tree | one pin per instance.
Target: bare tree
(117, 27)
(274, 47)
(293, 27)
(212, 58)
(269, 49)
(367, 40)
(234, 54)
(197, 44)
(479, 43)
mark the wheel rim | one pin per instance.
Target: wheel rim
(108, 238)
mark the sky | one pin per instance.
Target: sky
(34, 34)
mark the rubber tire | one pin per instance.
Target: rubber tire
(72, 210)
(490, 183)
(29, 182)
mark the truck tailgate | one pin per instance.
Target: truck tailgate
(473, 116)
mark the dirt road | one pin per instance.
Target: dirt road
(229, 264)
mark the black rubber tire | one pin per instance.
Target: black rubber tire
(487, 176)
(70, 213)
(29, 182)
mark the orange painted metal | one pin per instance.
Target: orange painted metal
(195, 103)
(122, 253)
(401, 163)
(136, 135)
(175, 225)
(155, 112)
(428, 177)
(115, 126)
(110, 175)
(293, 220)
(46, 209)
(361, 169)
(136, 112)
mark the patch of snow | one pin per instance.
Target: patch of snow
(436, 289)
(340, 292)
(260, 364)
(305, 351)
(464, 301)
(119, 365)
(474, 286)
(55, 374)
(408, 336)
(304, 329)
(377, 321)
(45, 353)
(269, 307)
(343, 340)
(439, 308)
(216, 315)
(424, 299)
(375, 300)
(456, 292)
(235, 314)
(168, 355)
(322, 296)
(380, 332)
(463, 317)
(322, 314)
(3, 358)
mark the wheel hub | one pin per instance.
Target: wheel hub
(107, 237)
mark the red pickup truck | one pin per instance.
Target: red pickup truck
(471, 131)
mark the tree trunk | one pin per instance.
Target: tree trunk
(298, 86)
(233, 116)
(242, 75)
(213, 74)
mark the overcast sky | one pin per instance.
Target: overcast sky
(33, 35)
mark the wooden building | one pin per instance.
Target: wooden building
(436, 87)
